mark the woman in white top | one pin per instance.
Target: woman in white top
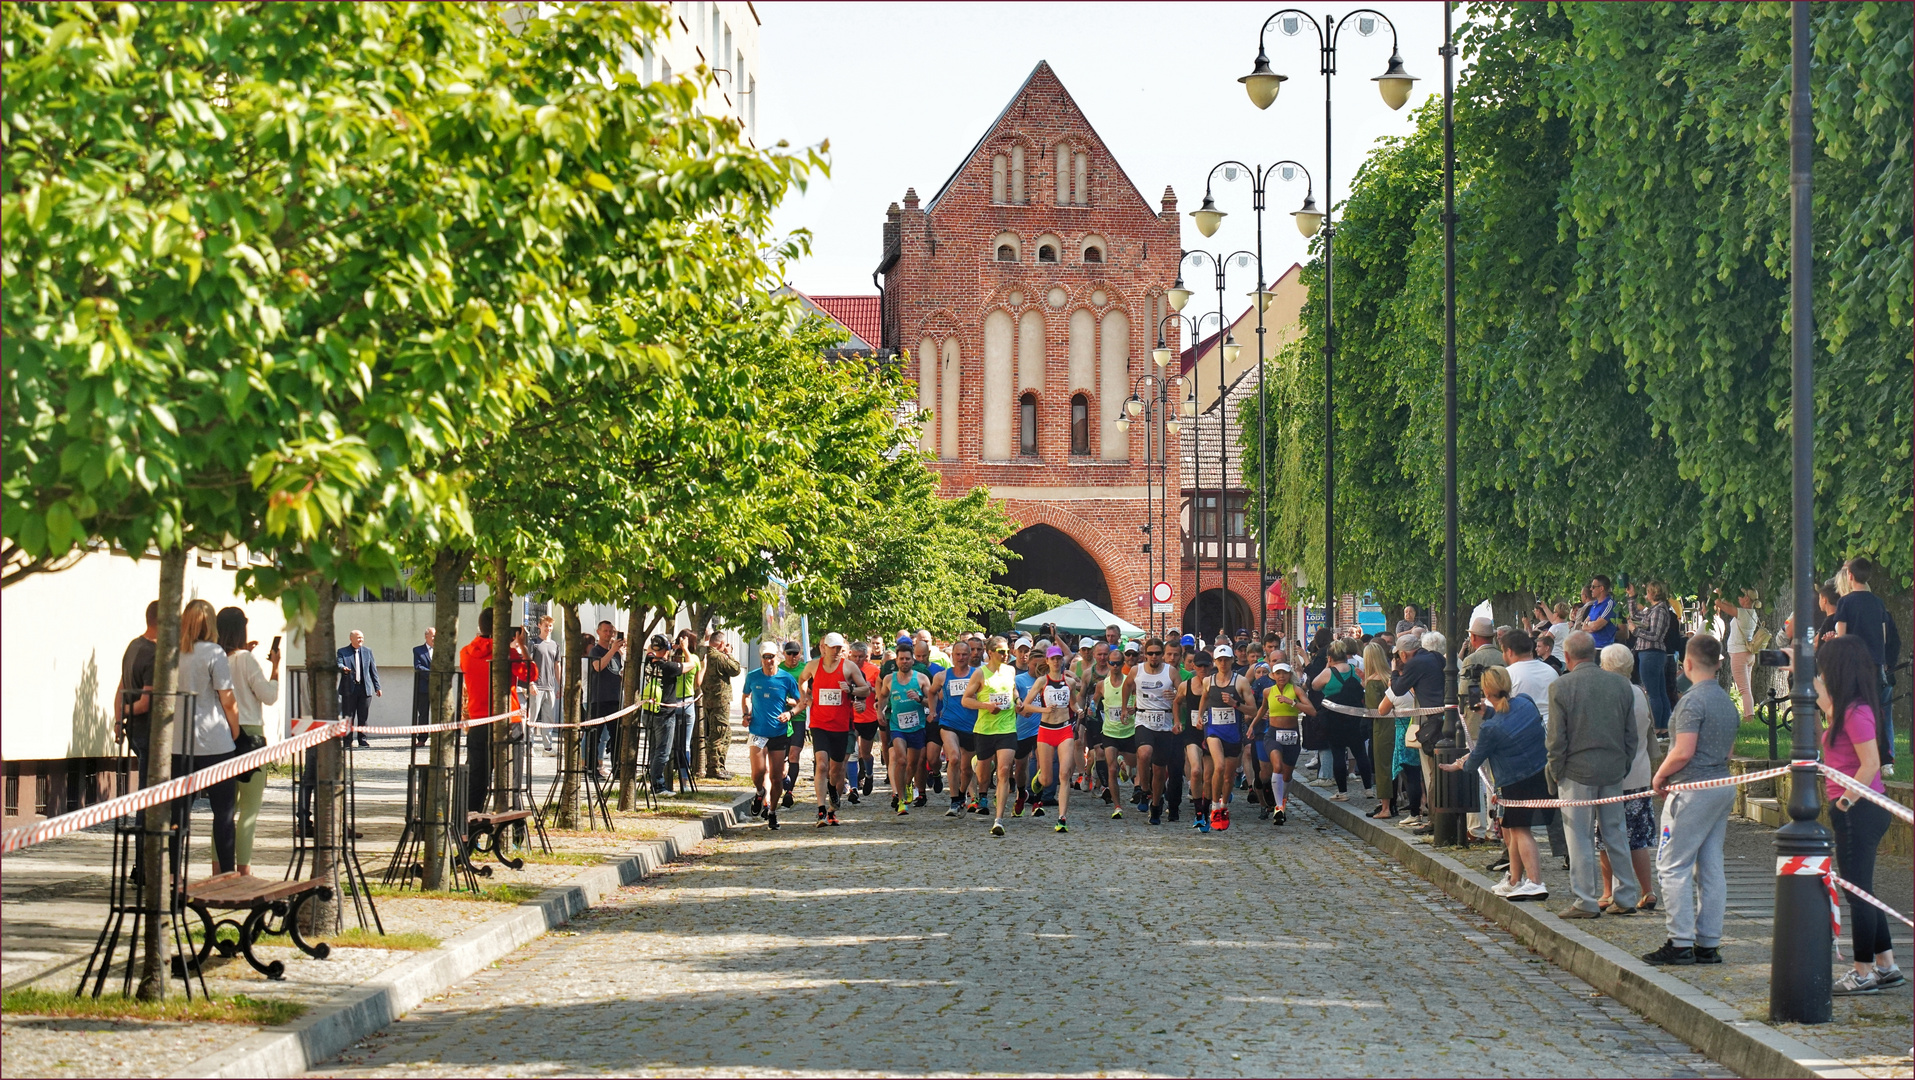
(252, 692)
(1639, 818)
(1741, 619)
(209, 731)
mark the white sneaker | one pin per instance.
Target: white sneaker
(1530, 890)
(1504, 887)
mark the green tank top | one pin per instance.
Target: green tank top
(1117, 724)
(999, 693)
(906, 714)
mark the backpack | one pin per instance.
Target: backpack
(1344, 688)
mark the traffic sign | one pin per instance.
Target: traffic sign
(1160, 608)
(1160, 594)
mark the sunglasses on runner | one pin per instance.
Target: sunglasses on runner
(1153, 652)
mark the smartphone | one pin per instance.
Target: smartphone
(275, 648)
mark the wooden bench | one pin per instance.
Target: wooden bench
(271, 907)
(484, 835)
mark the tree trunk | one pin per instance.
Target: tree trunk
(574, 714)
(329, 804)
(154, 961)
(448, 566)
(501, 685)
(630, 725)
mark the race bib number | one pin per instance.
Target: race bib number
(1000, 702)
(830, 697)
(1284, 735)
(1154, 719)
(909, 721)
(1226, 717)
(1057, 697)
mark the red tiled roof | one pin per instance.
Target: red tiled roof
(859, 314)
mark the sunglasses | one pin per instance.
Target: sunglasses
(995, 652)
(1153, 652)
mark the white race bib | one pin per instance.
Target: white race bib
(908, 721)
(1057, 697)
(1226, 717)
(834, 696)
(1155, 720)
(1284, 735)
(1000, 702)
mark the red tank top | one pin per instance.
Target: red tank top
(867, 709)
(831, 703)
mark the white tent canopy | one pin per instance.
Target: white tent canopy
(1080, 617)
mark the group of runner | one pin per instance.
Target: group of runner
(1020, 723)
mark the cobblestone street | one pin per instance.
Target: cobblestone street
(921, 945)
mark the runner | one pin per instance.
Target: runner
(771, 696)
(902, 697)
(1282, 704)
(1190, 761)
(956, 722)
(829, 683)
(1117, 730)
(1256, 754)
(1029, 663)
(794, 666)
(1224, 695)
(992, 691)
(1150, 693)
(1054, 696)
(868, 721)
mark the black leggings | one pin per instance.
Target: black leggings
(1410, 782)
(225, 799)
(1858, 832)
(1348, 733)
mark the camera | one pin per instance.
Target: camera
(1772, 658)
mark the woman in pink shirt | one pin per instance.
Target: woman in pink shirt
(1847, 686)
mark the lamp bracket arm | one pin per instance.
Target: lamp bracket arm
(1337, 33)
(1301, 14)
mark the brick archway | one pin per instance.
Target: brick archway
(1121, 568)
(1056, 563)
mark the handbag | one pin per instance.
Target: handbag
(1409, 738)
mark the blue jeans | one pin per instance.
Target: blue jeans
(1650, 663)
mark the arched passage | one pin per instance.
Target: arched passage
(1200, 615)
(1054, 562)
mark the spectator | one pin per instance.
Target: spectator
(714, 707)
(253, 690)
(659, 691)
(685, 651)
(523, 675)
(205, 737)
(1558, 630)
(134, 711)
(475, 661)
(1483, 654)
(1601, 616)
(1408, 620)
(358, 682)
(604, 687)
(1845, 688)
(1590, 750)
(1637, 815)
(1376, 684)
(1422, 674)
(1653, 625)
(1548, 652)
(1861, 613)
(1689, 867)
(1406, 689)
(1826, 599)
(544, 703)
(1531, 674)
(422, 684)
(1511, 743)
(1342, 684)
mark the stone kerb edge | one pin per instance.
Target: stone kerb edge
(292, 1049)
(1710, 1025)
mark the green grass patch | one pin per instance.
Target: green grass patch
(355, 938)
(1752, 740)
(237, 1009)
(562, 858)
(507, 893)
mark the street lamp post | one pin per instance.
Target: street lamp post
(1799, 955)
(1262, 85)
(1161, 354)
(1208, 218)
(1155, 409)
(1227, 353)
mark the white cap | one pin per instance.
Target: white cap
(833, 641)
(1024, 641)
(769, 648)
(1224, 650)
(1281, 667)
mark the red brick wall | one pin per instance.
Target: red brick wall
(946, 280)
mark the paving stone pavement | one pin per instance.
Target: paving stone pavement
(921, 945)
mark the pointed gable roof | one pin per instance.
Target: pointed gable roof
(1072, 113)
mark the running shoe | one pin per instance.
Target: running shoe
(953, 811)
(1109, 800)
(1684, 955)
(1156, 813)
(1855, 982)
(831, 818)
(1223, 819)
(894, 802)
(919, 801)
(786, 802)
(1117, 814)
(868, 781)
(937, 783)
(1279, 816)
(757, 806)
(1530, 891)
(853, 796)
(1886, 977)
(1712, 954)
(1060, 826)
(1017, 808)
(1038, 810)
(997, 828)
(821, 817)
(771, 820)
(1202, 824)
(1504, 887)
(1176, 811)
(1262, 812)
(903, 810)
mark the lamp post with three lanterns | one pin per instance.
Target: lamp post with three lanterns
(1150, 401)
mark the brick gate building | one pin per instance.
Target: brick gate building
(1027, 293)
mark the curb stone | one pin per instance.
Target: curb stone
(1710, 1025)
(294, 1048)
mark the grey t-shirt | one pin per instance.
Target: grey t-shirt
(545, 657)
(1707, 711)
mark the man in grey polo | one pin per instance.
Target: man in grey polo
(545, 704)
(1591, 744)
(1693, 887)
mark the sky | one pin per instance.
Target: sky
(902, 91)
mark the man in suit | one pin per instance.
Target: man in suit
(1592, 741)
(358, 681)
(422, 683)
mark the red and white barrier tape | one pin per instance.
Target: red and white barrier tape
(1814, 866)
(626, 711)
(1693, 785)
(1837, 879)
(1868, 793)
(41, 831)
(427, 729)
(1351, 710)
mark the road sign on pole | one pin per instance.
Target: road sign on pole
(1160, 593)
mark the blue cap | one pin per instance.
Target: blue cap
(905, 641)
(1188, 639)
